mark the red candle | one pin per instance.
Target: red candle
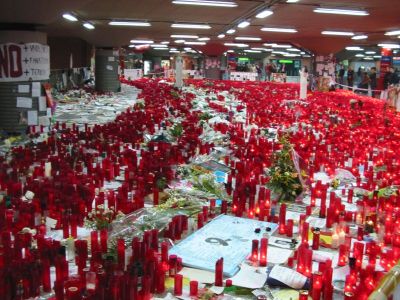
(194, 288)
(263, 252)
(178, 285)
(103, 240)
(46, 275)
(316, 285)
(219, 269)
(289, 228)
(304, 232)
(200, 220)
(303, 295)
(282, 219)
(254, 251)
(342, 260)
(155, 196)
(121, 253)
(316, 236)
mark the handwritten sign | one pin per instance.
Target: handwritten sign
(24, 62)
(225, 236)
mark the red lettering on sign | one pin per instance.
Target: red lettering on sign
(15, 71)
(4, 62)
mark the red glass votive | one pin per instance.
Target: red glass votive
(194, 288)
(200, 220)
(254, 251)
(263, 252)
(289, 228)
(316, 237)
(219, 270)
(303, 295)
(178, 285)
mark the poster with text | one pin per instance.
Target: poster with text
(24, 62)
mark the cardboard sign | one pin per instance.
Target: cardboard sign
(24, 62)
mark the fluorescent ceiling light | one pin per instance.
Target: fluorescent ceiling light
(187, 48)
(269, 44)
(302, 52)
(259, 49)
(293, 50)
(360, 55)
(204, 39)
(243, 24)
(221, 36)
(341, 33)
(159, 46)
(370, 52)
(280, 52)
(70, 17)
(389, 46)
(142, 42)
(368, 58)
(236, 45)
(194, 43)
(263, 14)
(338, 11)
(377, 56)
(164, 43)
(230, 51)
(247, 38)
(253, 51)
(360, 37)
(129, 23)
(206, 3)
(354, 48)
(173, 51)
(179, 41)
(231, 31)
(184, 36)
(281, 46)
(292, 1)
(395, 32)
(191, 26)
(291, 55)
(285, 30)
(88, 25)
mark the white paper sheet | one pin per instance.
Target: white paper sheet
(111, 58)
(278, 255)
(42, 103)
(109, 67)
(24, 102)
(23, 88)
(44, 121)
(199, 275)
(32, 117)
(36, 89)
(48, 112)
(250, 277)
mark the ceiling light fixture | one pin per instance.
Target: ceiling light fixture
(264, 13)
(253, 51)
(142, 42)
(284, 30)
(70, 17)
(206, 3)
(190, 26)
(389, 46)
(354, 48)
(281, 46)
(204, 39)
(377, 56)
(159, 46)
(394, 32)
(360, 37)
(179, 41)
(247, 38)
(293, 50)
(340, 33)
(184, 36)
(221, 36)
(360, 55)
(231, 31)
(370, 52)
(339, 11)
(164, 43)
(368, 58)
(243, 24)
(195, 43)
(129, 23)
(88, 25)
(292, 1)
(236, 45)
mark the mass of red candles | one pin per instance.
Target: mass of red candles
(63, 178)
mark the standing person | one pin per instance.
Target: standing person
(341, 76)
(303, 83)
(364, 84)
(350, 77)
(373, 80)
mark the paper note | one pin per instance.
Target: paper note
(250, 277)
(23, 88)
(24, 102)
(278, 255)
(225, 236)
(109, 67)
(32, 117)
(217, 289)
(199, 275)
(36, 89)
(44, 121)
(111, 58)
(42, 103)
(51, 222)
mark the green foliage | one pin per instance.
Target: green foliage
(284, 178)
(177, 130)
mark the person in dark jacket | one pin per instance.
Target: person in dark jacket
(364, 84)
(373, 80)
(350, 77)
(390, 78)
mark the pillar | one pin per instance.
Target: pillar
(106, 70)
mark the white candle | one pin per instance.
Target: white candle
(47, 169)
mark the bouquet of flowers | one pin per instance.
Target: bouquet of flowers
(100, 218)
(284, 178)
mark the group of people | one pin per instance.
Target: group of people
(366, 80)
